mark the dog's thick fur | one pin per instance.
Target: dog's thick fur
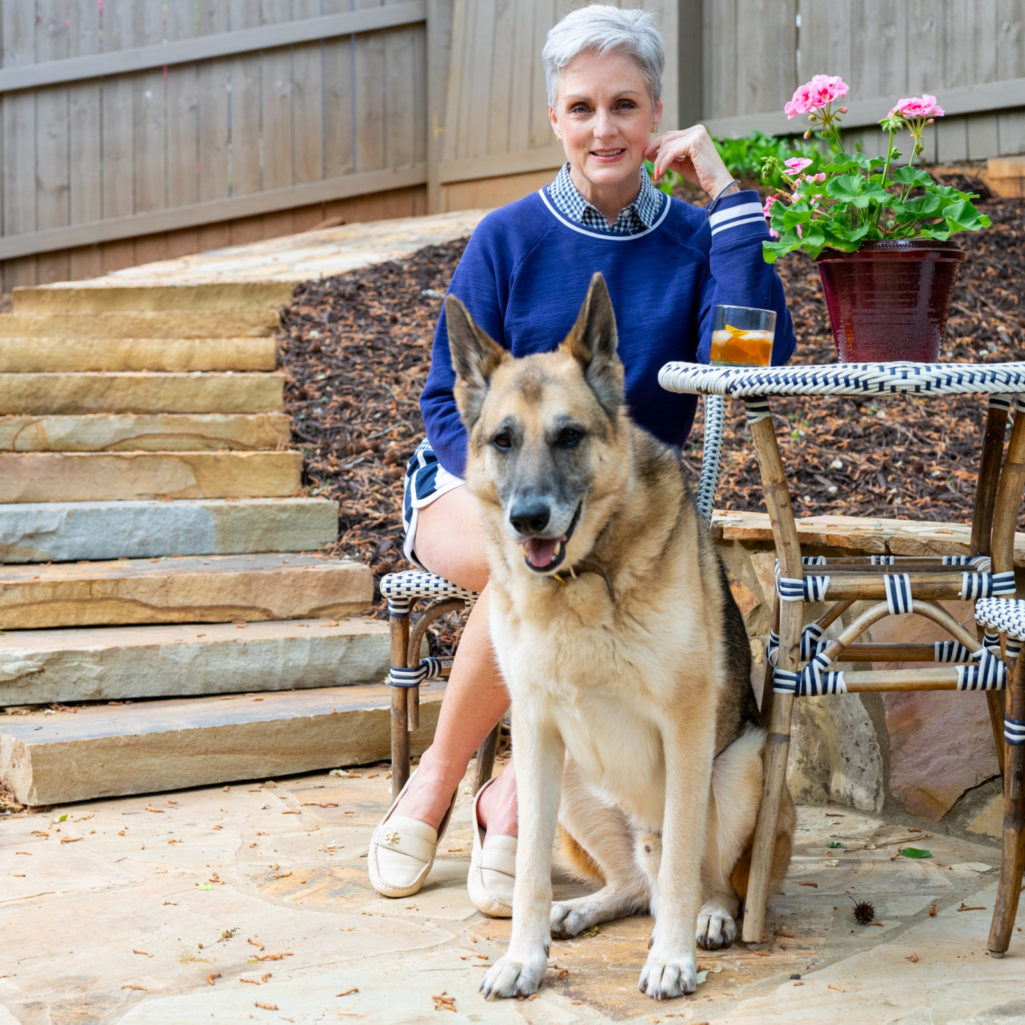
(624, 652)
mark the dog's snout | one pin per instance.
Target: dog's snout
(530, 517)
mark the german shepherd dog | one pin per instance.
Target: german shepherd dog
(624, 652)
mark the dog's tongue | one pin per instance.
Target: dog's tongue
(541, 550)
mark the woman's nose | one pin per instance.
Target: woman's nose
(603, 125)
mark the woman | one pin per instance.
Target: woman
(523, 276)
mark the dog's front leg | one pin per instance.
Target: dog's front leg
(670, 970)
(538, 753)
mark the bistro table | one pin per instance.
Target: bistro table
(803, 662)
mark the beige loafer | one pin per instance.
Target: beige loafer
(402, 851)
(492, 868)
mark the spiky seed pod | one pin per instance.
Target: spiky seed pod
(864, 912)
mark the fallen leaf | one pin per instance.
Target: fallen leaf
(144, 953)
(210, 978)
(914, 852)
(348, 992)
(266, 1007)
(913, 958)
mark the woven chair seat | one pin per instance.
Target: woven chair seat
(846, 379)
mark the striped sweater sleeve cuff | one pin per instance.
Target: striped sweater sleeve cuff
(742, 209)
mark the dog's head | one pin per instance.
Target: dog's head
(541, 430)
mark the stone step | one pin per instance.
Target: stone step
(27, 355)
(103, 750)
(144, 432)
(141, 392)
(141, 324)
(69, 531)
(107, 297)
(118, 663)
(187, 589)
(97, 476)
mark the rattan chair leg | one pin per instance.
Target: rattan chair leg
(1012, 861)
(486, 758)
(777, 748)
(398, 625)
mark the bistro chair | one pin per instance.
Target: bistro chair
(409, 590)
(813, 592)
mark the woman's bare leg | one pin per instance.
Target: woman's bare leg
(449, 541)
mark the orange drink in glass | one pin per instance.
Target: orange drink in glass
(742, 336)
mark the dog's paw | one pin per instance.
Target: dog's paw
(663, 978)
(716, 928)
(571, 918)
(508, 977)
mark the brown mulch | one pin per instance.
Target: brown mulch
(356, 349)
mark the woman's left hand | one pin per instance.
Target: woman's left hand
(691, 153)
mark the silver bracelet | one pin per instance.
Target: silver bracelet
(710, 209)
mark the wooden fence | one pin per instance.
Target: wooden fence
(134, 130)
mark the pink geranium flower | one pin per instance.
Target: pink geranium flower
(795, 165)
(917, 106)
(816, 94)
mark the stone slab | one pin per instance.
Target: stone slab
(141, 392)
(859, 534)
(69, 531)
(146, 432)
(214, 589)
(40, 355)
(126, 662)
(103, 750)
(86, 296)
(94, 476)
(306, 256)
(141, 324)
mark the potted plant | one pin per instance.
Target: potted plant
(878, 230)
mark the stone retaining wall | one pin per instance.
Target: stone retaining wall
(927, 754)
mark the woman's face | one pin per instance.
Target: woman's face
(605, 116)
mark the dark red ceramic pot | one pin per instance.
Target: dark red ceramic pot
(889, 300)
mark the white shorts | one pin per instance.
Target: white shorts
(426, 480)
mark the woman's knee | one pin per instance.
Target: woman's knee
(450, 539)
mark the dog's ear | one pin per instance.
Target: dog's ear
(474, 357)
(592, 343)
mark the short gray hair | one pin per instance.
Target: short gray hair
(602, 29)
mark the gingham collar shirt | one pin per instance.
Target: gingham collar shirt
(638, 216)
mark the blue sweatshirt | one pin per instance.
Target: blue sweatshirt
(525, 271)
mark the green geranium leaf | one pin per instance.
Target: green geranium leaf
(858, 192)
(911, 176)
(914, 852)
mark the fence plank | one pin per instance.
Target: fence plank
(307, 102)
(84, 169)
(1010, 58)
(18, 122)
(213, 82)
(52, 159)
